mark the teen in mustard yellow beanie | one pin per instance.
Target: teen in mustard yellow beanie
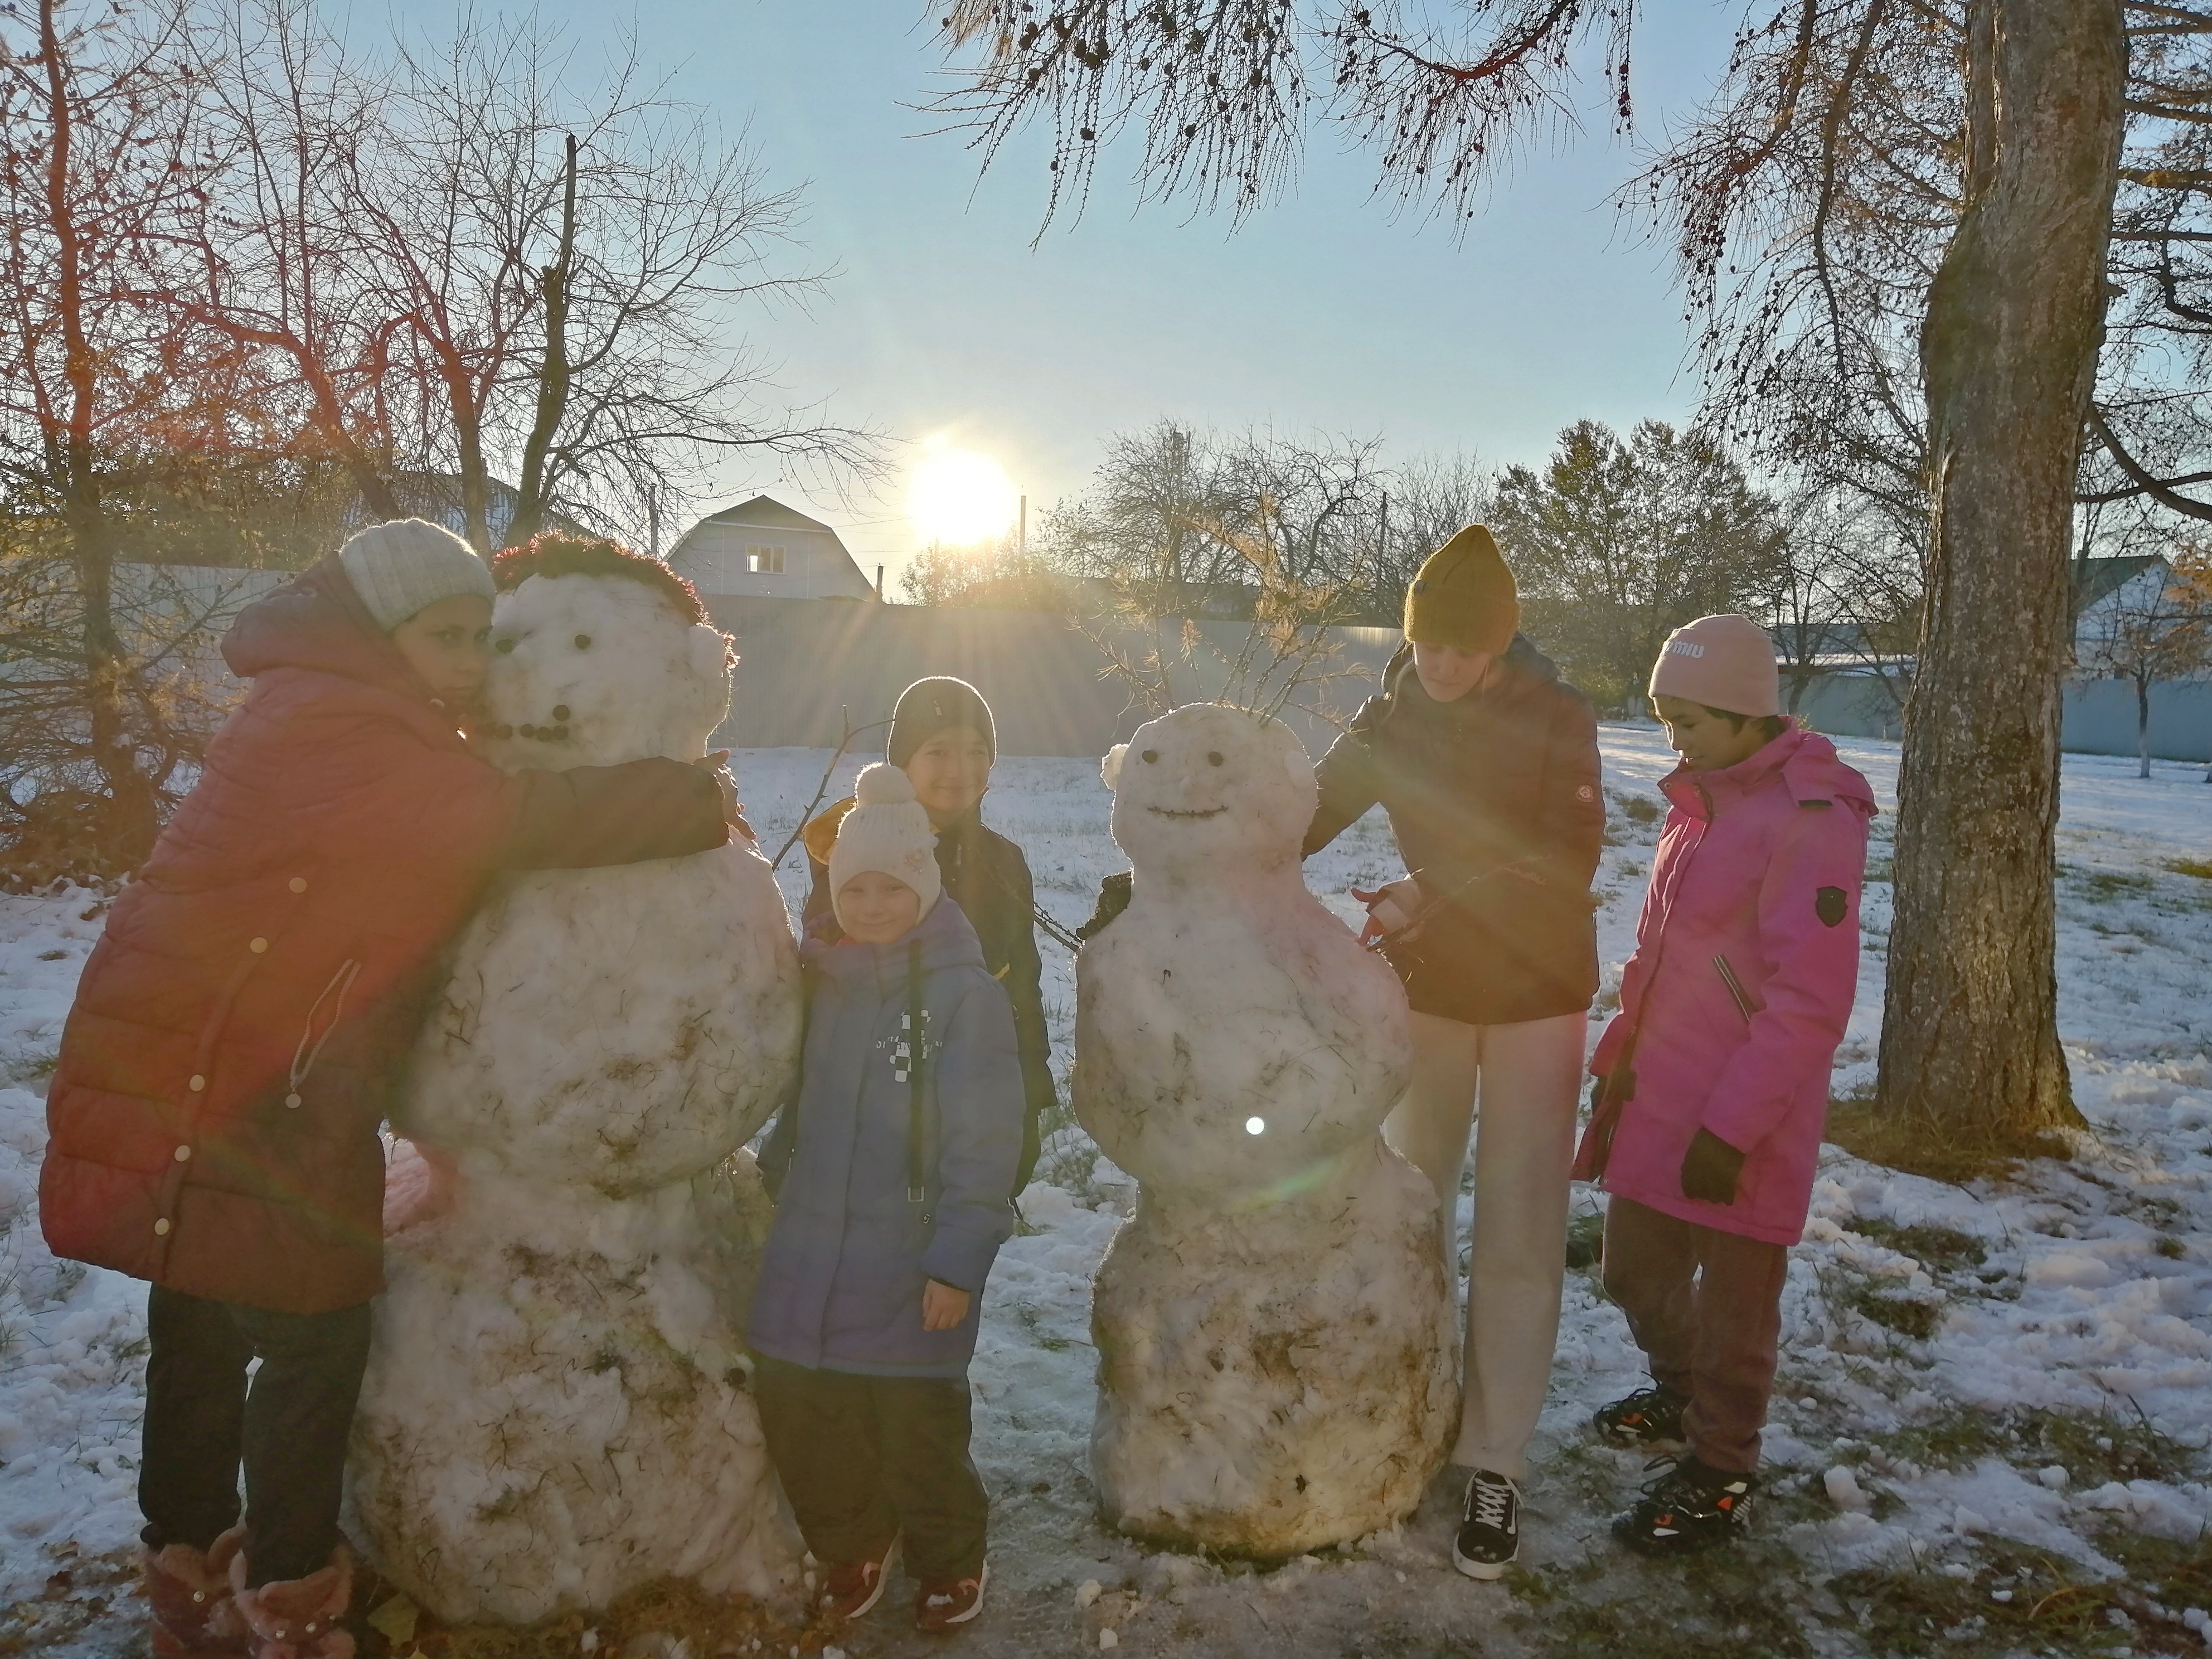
(1486, 761)
(1463, 596)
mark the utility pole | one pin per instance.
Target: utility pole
(1022, 536)
(1382, 543)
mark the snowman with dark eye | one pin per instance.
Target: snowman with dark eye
(555, 1412)
(1273, 1324)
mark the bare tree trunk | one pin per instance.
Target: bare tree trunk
(1969, 1033)
(132, 816)
(553, 374)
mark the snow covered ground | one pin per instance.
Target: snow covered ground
(1991, 1434)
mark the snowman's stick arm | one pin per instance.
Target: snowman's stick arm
(806, 816)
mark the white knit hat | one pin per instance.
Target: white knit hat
(406, 565)
(887, 830)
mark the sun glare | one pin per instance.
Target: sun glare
(959, 497)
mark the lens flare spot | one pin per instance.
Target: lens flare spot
(1254, 1126)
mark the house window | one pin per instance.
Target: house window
(764, 561)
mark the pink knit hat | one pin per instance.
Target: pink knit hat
(1722, 662)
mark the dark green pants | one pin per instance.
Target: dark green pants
(863, 1457)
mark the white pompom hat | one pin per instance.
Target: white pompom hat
(888, 830)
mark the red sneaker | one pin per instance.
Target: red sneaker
(938, 1607)
(854, 1587)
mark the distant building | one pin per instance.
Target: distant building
(1840, 683)
(762, 549)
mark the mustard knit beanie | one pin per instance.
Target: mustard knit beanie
(887, 831)
(1464, 596)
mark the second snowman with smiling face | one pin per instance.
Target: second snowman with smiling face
(1273, 1324)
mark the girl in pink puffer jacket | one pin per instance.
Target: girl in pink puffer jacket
(1714, 1074)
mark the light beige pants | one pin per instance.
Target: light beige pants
(1525, 1077)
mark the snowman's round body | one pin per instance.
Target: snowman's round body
(1273, 1324)
(555, 1412)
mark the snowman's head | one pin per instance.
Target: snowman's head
(599, 655)
(1209, 787)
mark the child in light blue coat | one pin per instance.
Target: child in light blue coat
(894, 1164)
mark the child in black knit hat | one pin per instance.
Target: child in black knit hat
(943, 738)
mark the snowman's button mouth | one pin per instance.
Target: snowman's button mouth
(1193, 812)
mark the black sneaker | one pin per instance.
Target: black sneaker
(1689, 1508)
(1649, 1419)
(1489, 1527)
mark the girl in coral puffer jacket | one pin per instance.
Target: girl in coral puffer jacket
(1715, 1072)
(227, 1062)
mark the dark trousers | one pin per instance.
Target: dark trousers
(1705, 1306)
(863, 1457)
(290, 1429)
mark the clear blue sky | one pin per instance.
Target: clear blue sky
(1327, 311)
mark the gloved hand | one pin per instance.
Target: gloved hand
(1389, 908)
(1710, 1169)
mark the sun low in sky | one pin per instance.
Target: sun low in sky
(960, 497)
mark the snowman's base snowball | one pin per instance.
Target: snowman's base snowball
(555, 1412)
(1279, 1379)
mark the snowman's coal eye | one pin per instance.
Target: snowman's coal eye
(583, 641)
(1213, 757)
(503, 644)
(1150, 756)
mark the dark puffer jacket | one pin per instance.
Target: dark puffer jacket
(985, 875)
(224, 1069)
(1495, 801)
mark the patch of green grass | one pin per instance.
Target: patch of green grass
(2023, 1601)
(2200, 868)
(2092, 1447)
(1939, 1249)
(1915, 1147)
(1914, 1316)
(2104, 884)
(1718, 1605)
(1585, 1235)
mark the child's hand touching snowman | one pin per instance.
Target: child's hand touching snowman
(1389, 908)
(942, 1307)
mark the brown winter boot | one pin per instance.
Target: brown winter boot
(195, 1614)
(298, 1618)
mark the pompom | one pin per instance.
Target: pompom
(882, 785)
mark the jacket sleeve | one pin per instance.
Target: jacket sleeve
(980, 1111)
(1348, 779)
(1570, 819)
(1635, 973)
(817, 908)
(591, 816)
(374, 790)
(1024, 983)
(1809, 931)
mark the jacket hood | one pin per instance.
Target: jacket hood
(316, 621)
(1806, 764)
(947, 938)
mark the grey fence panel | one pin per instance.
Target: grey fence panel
(804, 664)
